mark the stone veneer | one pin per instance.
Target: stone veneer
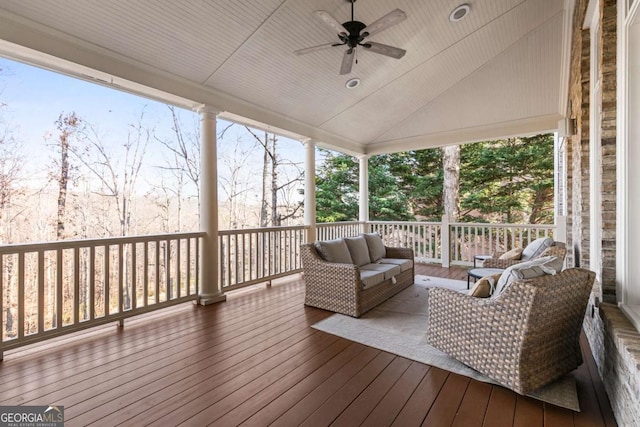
(615, 344)
(614, 341)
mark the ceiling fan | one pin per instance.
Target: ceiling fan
(353, 34)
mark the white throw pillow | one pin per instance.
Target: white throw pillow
(536, 247)
(525, 270)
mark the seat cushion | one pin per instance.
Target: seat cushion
(389, 270)
(536, 248)
(525, 270)
(377, 250)
(358, 249)
(515, 253)
(334, 251)
(371, 278)
(405, 264)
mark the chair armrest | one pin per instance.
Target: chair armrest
(402, 253)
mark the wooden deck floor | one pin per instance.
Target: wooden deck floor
(256, 361)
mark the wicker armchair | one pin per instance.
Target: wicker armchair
(558, 249)
(523, 339)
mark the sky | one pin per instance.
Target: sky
(34, 98)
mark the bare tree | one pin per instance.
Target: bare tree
(67, 126)
(117, 173)
(272, 166)
(183, 164)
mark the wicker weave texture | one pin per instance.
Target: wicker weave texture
(337, 287)
(525, 338)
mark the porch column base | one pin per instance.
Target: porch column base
(208, 299)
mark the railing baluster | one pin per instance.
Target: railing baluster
(21, 296)
(178, 267)
(134, 277)
(41, 302)
(145, 273)
(106, 284)
(167, 270)
(76, 285)
(157, 272)
(92, 282)
(59, 287)
(121, 283)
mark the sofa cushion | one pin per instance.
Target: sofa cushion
(525, 270)
(389, 270)
(515, 253)
(536, 248)
(371, 278)
(334, 251)
(377, 250)
(405, 264)
(358, 249)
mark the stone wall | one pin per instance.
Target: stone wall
(614, 341)
(615, 344)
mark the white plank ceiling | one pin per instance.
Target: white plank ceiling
(498, 72)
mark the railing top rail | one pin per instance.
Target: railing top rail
(490, 225)
(68, 244)
(405, 222)
(261, 230)
(328, 224)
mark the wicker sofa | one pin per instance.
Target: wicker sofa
(356, 286)
(525, 338)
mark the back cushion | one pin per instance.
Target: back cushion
(536, 248)
(525, 270)
(358, 250)
(377, 250)
(334, 251)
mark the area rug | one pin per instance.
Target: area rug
(398, 326)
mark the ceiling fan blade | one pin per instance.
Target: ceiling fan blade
(385, 22)
(383, 49)
(347, 61)
(330, 21)
(314, 48)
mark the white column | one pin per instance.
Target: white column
(210, 291)
(310, 189)
(364, 192)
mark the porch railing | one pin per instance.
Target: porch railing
(54, 288)
(335, 230)
(257, 255)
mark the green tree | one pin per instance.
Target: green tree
(337, 193)
(508, 180)
(337, 188)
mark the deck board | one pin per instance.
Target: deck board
(255, 361)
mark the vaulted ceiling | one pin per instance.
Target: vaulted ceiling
(500, 71)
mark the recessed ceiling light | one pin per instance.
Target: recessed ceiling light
(459, 12)
(352, 83)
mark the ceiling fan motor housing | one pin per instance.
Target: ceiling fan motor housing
(354, 37)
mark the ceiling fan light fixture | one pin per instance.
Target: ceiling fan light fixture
(459, 13)
(352, 83)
